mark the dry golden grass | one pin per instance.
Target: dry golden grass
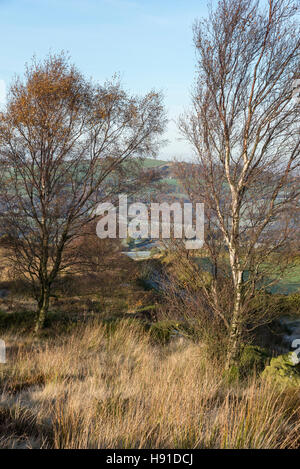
(95, 389)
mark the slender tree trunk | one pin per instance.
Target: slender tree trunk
(234, 339)
(235, 325)
(46, 281)
(43, 307)
(236, 320)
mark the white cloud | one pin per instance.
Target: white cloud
(2, 92)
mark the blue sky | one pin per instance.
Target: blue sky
(149, 42)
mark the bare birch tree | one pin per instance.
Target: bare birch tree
(244, 128)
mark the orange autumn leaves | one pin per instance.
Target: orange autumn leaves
(52, 90)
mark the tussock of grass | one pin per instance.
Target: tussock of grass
(113, 388)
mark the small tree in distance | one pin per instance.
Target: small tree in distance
(66, 145)
(244, 128)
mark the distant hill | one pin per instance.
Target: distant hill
(153, 163)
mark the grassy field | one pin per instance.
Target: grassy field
(153, 162)
(290, 283)
(103, 387)
(104, 374)
(287, 284)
